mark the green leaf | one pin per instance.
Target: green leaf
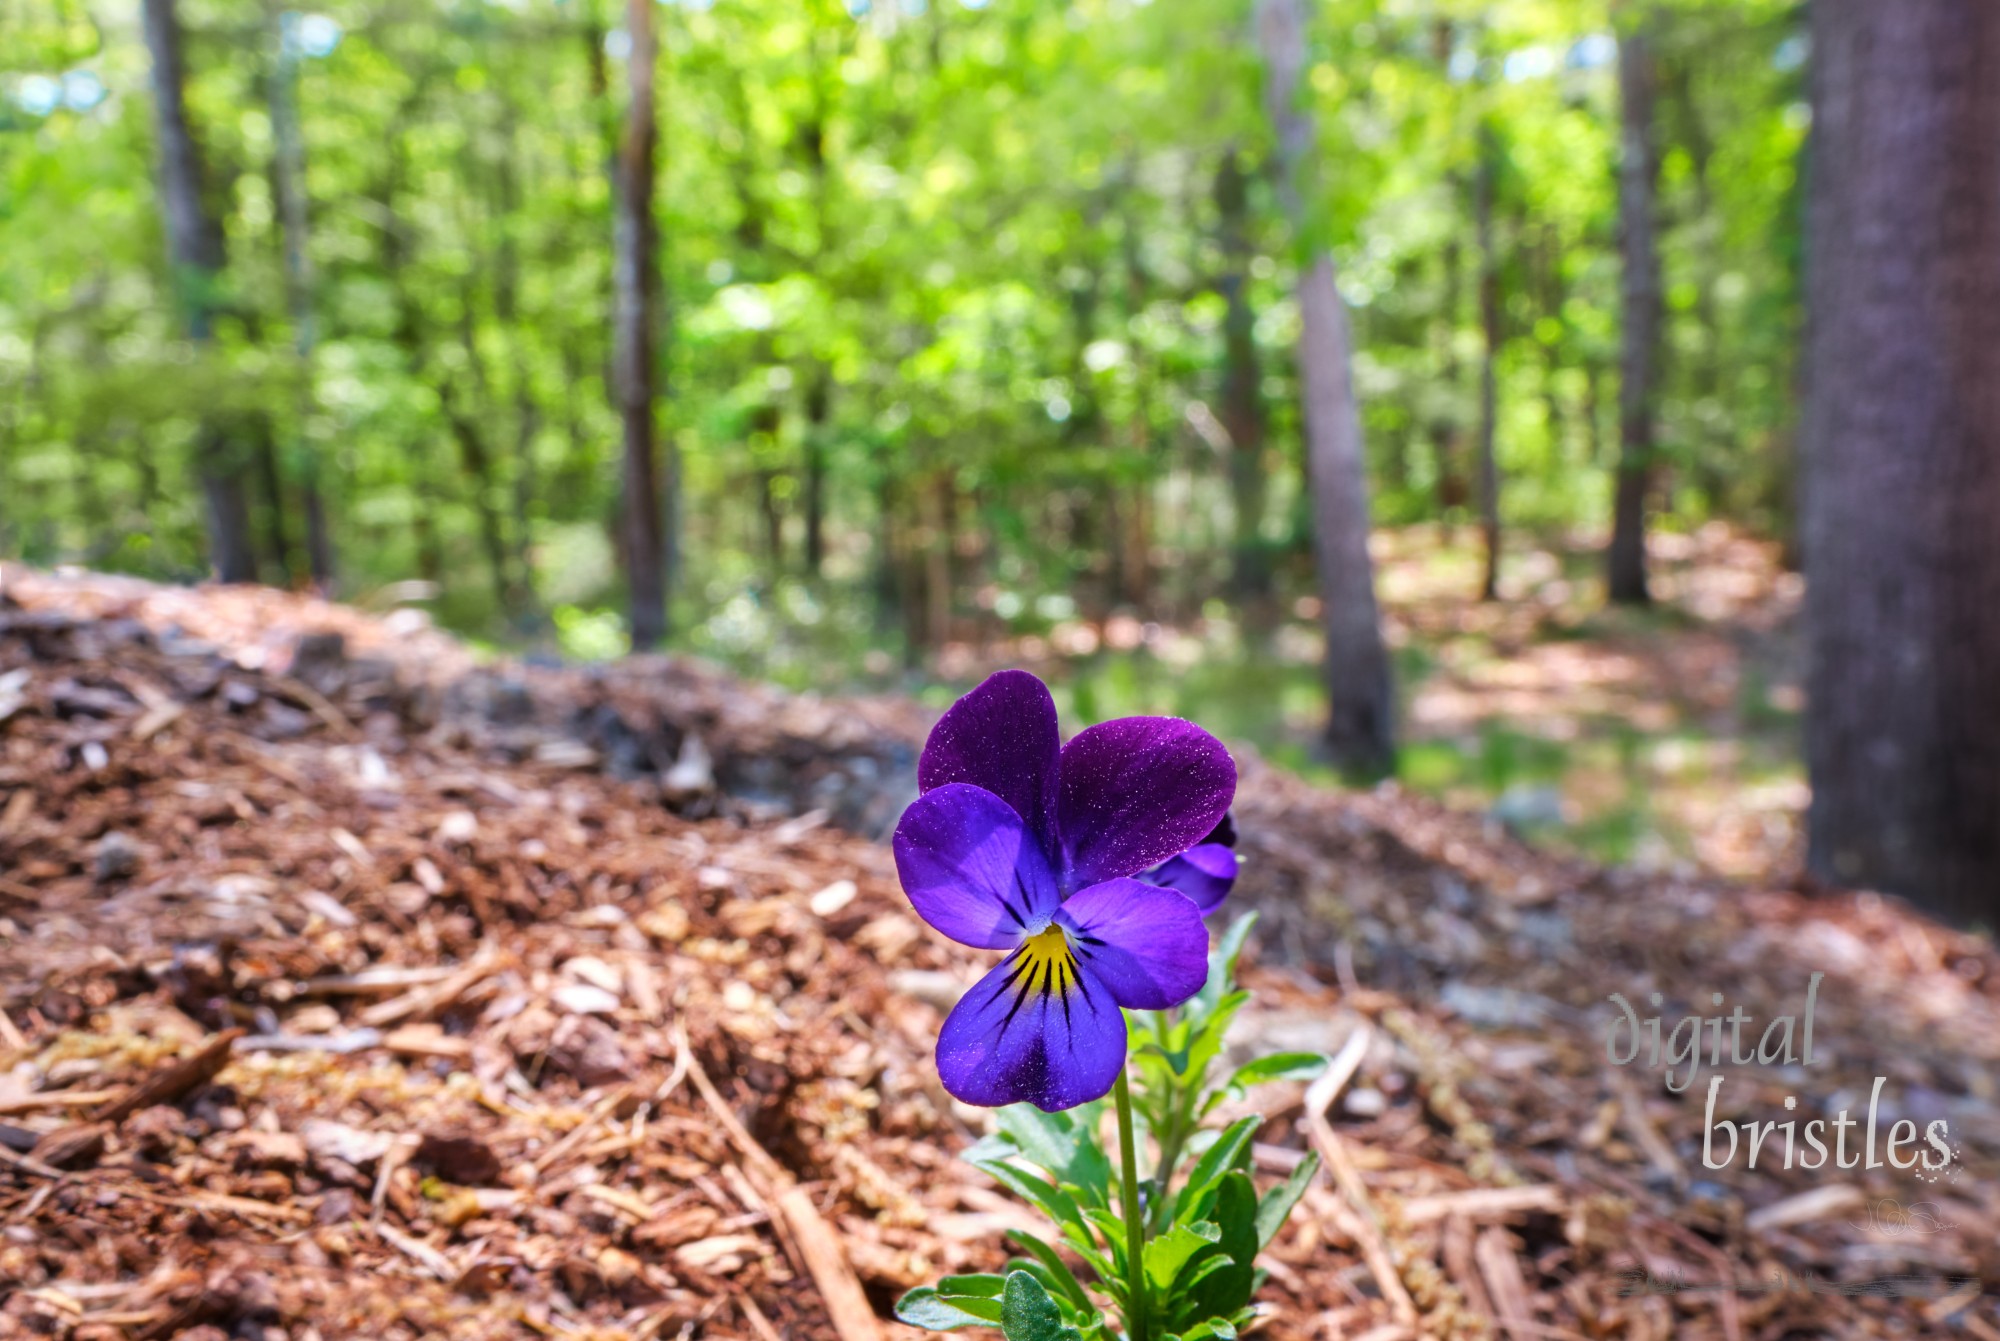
(1028, 1314)
(1229, 1288)
(1046, 1255)
(1201, 1270)
(1094, 1258)
(1222, 962)
(924, 1307)
(1113, 1229)
(1167, 1254)
(1278, 1202)
(1217, 1160)
(1064, 1144)
(1053, 1202)
(990, 1147)
(1278, 1066)
(982, 1286)
(1206, 1043)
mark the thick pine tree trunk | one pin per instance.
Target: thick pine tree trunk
(1360, 734)
(1901, 446)
(636, 281)
(195, 249)
(1638, 189)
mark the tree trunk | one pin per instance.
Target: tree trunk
(288, 167)
(1901, 448)
(1489, 380)
(637, 282)
(1715, 467)
(818, 392)
(1242, 392)
(1447, 426)
(195, 251)
(270, 481)
(1360, 734)
(1638, 183)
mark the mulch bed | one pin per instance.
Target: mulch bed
(351, 987)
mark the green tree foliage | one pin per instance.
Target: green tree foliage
(946, 339)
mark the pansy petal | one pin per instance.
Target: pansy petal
(1032, 1031)
(1204, 873)
(1146, 944)
(1002, 736)
(971, 868)
(1136, 791)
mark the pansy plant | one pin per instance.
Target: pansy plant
(1088, 867)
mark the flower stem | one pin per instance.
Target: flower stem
(1135, 1219)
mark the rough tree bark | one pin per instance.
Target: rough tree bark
(1489, 379)
(1638, 188)
(1901, 445)
(644, 543)
(1360, 733)
(1242, 394)
(195, 251)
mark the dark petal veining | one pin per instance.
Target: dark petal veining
(1002, 736)
(1135, 791)
(1145, 944)
(1033, 1031)
(971, 868)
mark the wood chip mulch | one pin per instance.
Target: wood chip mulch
(350, 987)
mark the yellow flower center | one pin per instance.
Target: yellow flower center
(1045, 962)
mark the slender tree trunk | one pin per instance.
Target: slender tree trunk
(1447, 426)
(1638, 183)
(818, 393)
(637, 281)
(1242, 390)
(1901, 445)
(527, 414)
(1712, 457)
(195, 249)
(289, 169)
(819, 381)
(1489, 379)
(936, 503)
(887, 535)
(270, 480)
(1360, 733)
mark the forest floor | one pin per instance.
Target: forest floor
(350, 986)
(1664, 737)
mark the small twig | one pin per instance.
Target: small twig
(435, 997)
(173, 1080)
(1363, 1225)
(755, 1316)
(1659, 1152)
(1484, 1203)
(11, 1037)
(583, 1130)
(417, 1250)
(846, 1302)
(35, 1103)
(28, 1164)
(321, 707)
(674, 1077)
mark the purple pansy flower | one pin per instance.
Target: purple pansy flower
(1023, 844)
(1205, 872)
